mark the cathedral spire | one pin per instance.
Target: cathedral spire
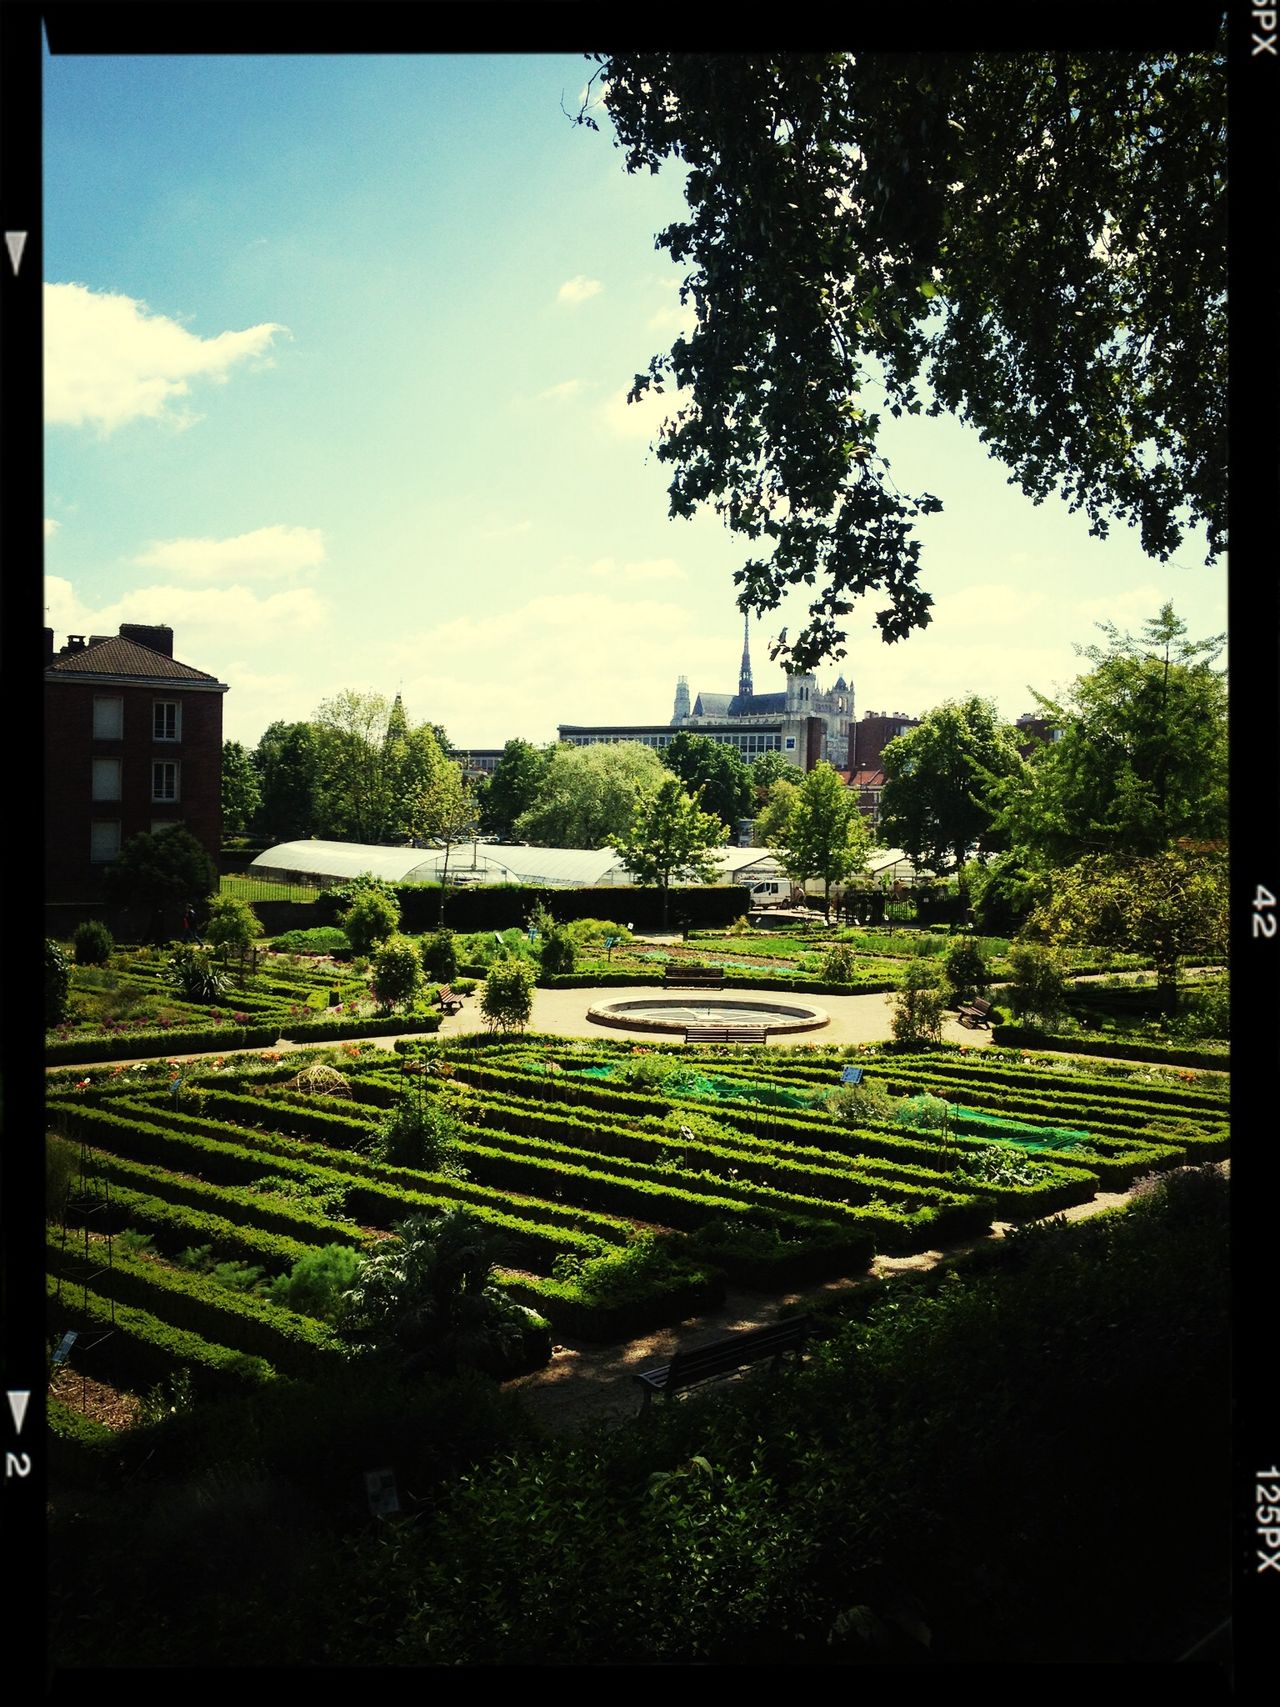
(744, 669)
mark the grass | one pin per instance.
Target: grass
(264, 889)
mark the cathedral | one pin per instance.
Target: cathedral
(803, 723)
(801, 700)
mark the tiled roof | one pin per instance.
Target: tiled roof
(118, 657)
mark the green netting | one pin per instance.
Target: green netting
(691, 1083)
(974, 1123)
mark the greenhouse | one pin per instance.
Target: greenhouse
(483, 862)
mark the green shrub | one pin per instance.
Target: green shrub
(57, 983)
(92, 943)
(371, 918)
(193, 972)
(232, 923)
(965, 971)
(315, 1284)
(440, 956)
(558, 954)
(917, 1014)
(591, 933)
(1038, 985)
(840, 964)
(397, 973)
(421, 1134)
(506, 1001)
(865, 1104)
(320, 939)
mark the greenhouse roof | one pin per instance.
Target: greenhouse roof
(477, 862)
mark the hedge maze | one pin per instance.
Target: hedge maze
(628, 1187)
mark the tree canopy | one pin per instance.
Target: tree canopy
(241, 794)
(513, 787)
(1032, 241)
(938, 776)
(1141, 758)
(287, 762)
(716, 769)
(589, 794)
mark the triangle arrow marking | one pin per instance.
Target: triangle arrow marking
(16, 242)
(18, 1405)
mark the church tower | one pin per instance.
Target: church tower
(744, 669)
(681, 711)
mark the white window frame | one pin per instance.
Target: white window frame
(163, 705)
(102, 716)
(158, 794)
(103, 789)
(96, 827)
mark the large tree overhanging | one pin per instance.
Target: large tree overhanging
(1039, 238)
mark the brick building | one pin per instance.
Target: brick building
(869, 737)
(133, 742)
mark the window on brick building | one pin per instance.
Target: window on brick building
(164, 780)
(106, 779)
(108, 718)
(104, 842)
(166, 720)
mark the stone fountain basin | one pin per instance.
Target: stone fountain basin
(678, 1013)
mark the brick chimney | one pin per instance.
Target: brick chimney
(159, 637)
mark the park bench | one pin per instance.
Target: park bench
(976, 1013)
(693, 977)
(723, 1357)
(726, 1033)
(448, 1000)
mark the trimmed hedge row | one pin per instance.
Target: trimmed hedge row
(227, 1039)
(998, 1076)
(177, 1226)
(196, 1304)
(296, 1225)
(535, 1246)
(1028, 1037)
(357, 1170)
(131, 1348)
(507, 906)
(582, 1318)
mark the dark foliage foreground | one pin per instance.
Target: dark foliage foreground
(1025, 1461)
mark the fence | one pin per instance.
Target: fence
(257, 887)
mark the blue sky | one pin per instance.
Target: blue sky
(336, 354)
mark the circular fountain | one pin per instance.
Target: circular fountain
(678, 1013)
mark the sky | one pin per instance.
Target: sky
(336, 355)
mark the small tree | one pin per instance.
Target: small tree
(397, 973)
(840, 964)
(917, 1015)
(558, 952)
(965, 971)
(440, 956)
(167, 870)
(824, 835)
(232, 923)
(92, 943)
(670, 840)
(1038, 987)
(506, 999)
(57, 983)
(420, 1132)
(371, 918)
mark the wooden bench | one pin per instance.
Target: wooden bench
(447, 1000)
(709, 1362)
(976, 1013)
(726, 1033)
(693, 977)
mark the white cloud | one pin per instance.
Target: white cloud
(575, 658)
(109, 359)
(207, 622)
(647, 569)
(50, 527)
(265, 552)
(566, 388)
(579, 289)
